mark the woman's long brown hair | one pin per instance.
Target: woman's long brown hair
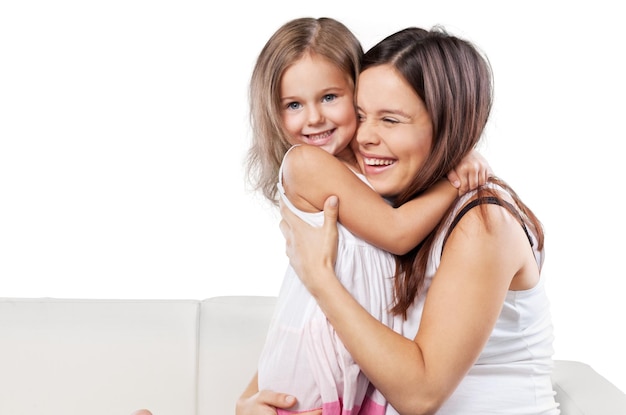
(454, 80)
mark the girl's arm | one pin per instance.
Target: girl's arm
(461, 308)
(310, 175)
(472, 171)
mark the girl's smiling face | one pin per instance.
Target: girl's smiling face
(317, 104)
(395, 132)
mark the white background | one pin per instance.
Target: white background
(123, 129)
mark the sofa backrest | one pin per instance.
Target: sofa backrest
(98, 357)
(232, 332)
(104, 357)
(174, 357)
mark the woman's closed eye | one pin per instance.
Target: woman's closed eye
(388, 120)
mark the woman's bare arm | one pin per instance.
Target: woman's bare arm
(461, 307)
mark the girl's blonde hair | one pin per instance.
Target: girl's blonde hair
(323, 36)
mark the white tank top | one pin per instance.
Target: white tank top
(512, 373)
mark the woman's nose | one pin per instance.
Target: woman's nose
(366, 134)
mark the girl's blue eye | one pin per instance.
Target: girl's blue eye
(329, 97)
(293, 105)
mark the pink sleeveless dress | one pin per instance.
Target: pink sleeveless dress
(303, 356)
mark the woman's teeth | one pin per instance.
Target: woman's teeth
(378, 162)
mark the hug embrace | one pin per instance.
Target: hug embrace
(415, 281)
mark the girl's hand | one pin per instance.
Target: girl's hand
(473, 171)
(311, 249)
(264, 403)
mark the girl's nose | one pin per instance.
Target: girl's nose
(315, 116)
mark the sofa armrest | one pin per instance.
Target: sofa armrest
(580, 390)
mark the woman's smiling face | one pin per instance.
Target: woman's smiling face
(395, 132)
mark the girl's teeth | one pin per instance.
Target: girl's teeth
(319, 136)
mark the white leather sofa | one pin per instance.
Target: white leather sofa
(174, 357)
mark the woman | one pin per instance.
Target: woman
(477, 333)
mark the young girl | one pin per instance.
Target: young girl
(303, 119)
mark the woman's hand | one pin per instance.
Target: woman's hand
(264, 403)
(311, 249)
(473, 171)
